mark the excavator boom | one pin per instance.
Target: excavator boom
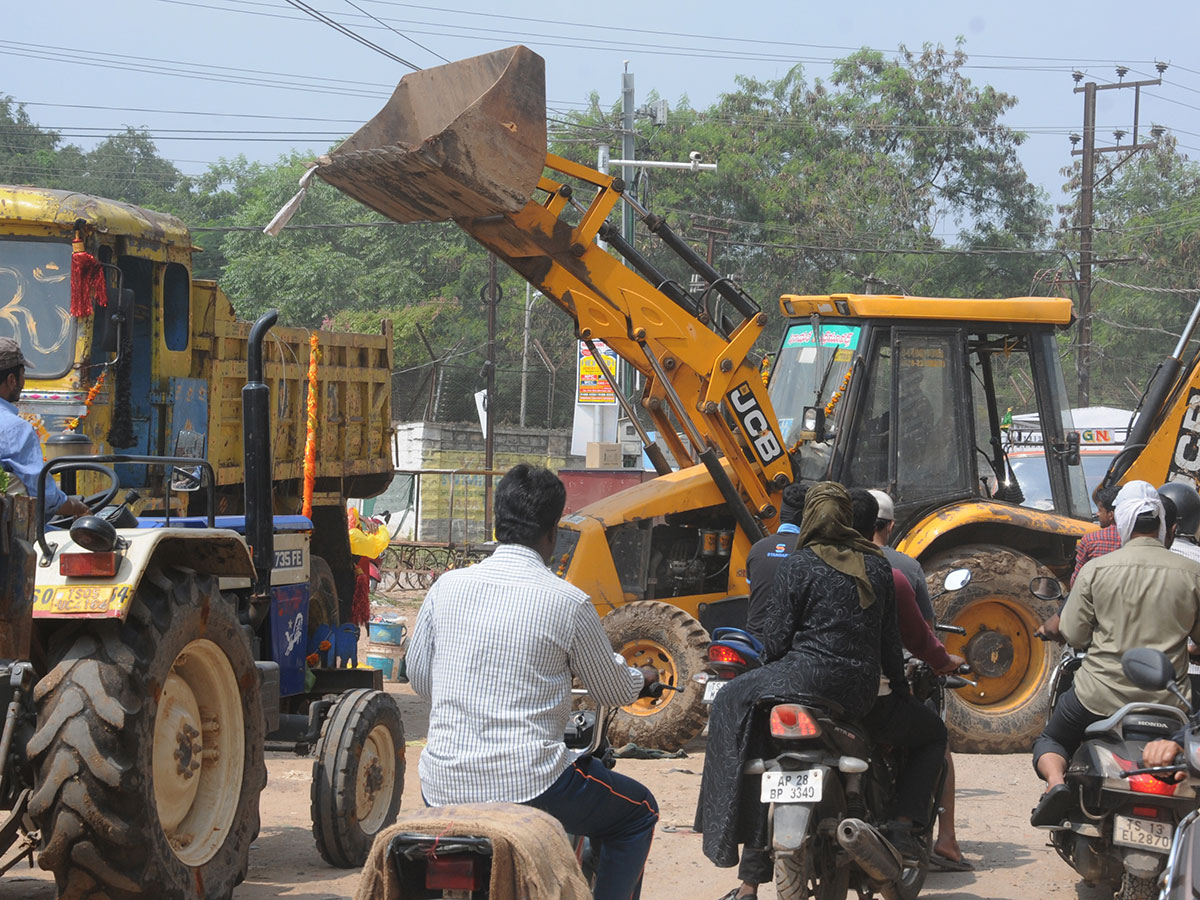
(467, 142)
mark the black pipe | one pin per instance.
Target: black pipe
(1160, 387)
(741, 301)
(256, 444)
(610, 233)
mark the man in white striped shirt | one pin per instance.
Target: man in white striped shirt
(493, 651)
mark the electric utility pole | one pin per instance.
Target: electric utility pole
(1087, 188)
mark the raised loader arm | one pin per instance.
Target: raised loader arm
(466, 141)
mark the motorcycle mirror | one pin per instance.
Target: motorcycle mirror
(956, 579)
(1046, 587)
(1148, 669)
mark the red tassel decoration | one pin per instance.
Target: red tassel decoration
(87, 280)
(360, 609)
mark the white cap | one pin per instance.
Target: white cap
(887, 512)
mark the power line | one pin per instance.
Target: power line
(337, 26)
(394, 31)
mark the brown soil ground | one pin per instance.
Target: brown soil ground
(995, 794)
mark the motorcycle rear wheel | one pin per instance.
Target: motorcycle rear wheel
(1134, 888)
(810, 872)
(912, 879)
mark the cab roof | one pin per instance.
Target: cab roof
(1057, 311)
(22, 205)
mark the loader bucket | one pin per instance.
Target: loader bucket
(463, 140)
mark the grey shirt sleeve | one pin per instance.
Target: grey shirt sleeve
(418, 661)
(604, 673)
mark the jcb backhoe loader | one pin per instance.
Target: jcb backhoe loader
(901, 393)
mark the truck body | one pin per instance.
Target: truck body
(172, 355)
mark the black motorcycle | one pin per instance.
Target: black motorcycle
(828, 789)
(1119, 827)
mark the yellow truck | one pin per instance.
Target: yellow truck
(158, 370)
(907, 394)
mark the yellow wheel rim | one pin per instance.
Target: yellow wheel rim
(199, 752)
(376, 779)
(644, 652)
(1009, 662)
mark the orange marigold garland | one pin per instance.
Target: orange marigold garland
(310, 438)
(837, 395)
(92, 393)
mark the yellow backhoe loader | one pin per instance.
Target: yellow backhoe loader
(902, 393)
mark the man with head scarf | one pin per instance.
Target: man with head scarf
(1141, 595)
(829, 631)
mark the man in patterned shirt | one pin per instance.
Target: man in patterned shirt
(1091, 545)
(493, 651)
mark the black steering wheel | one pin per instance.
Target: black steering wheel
(94, 502)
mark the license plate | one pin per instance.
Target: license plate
(100, 600)
(1142, 833)
(711, 688)
(792, 787)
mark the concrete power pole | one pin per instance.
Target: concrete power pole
(1087, 189)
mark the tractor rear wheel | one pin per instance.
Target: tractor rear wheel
(358, 775)
(149, 748)
(652, 633)
(1007, 709)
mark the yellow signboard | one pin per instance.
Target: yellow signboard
(86, 600)
(593, 388)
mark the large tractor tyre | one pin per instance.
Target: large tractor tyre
(149, 748)
(322, 595)
(650, 633)
(358, 776)
(1007, 710)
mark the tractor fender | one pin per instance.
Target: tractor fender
(221, 552)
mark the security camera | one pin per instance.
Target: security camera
(695, 156)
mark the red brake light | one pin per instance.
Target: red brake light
(1147, 812)
(793, 721)
(1146, 784)
(453, 873)
(89, 564)
(719, 653)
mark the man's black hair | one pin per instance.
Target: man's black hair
(1106, 496)
(863, 510)
(791, 506)
(529, 502)
(1146, 523)
(11, 370)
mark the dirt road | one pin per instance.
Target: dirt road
(995, 794)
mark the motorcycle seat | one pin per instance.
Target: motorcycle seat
(1154, 719)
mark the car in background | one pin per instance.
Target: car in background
(1103, 431)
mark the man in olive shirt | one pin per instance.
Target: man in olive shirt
(1141, 595)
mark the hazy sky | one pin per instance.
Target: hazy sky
(260, 76)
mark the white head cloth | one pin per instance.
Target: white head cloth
(1138, 497)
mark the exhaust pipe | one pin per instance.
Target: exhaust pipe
(867, 847)
(256, 446)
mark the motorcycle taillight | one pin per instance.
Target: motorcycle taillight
(454, 873)
(1145, 784)
(790, 720)
(720, 653)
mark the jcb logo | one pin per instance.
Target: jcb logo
(754, 423)
(1186, 459)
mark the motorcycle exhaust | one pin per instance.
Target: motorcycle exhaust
(867, 847)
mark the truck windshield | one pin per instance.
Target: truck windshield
(807, 373)
(35, 303)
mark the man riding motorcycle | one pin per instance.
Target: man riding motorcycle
(494, 650)
(1141, 595)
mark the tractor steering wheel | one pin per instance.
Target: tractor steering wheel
(94, 502)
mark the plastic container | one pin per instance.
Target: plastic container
(383, 663)
(386, 632)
